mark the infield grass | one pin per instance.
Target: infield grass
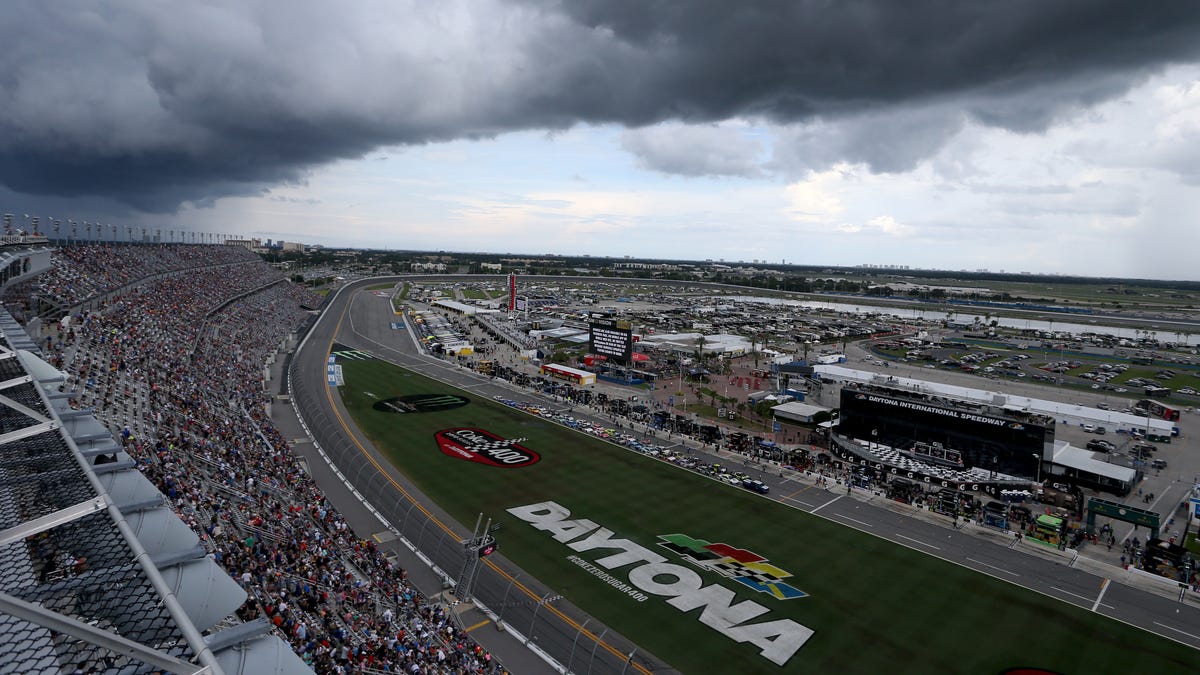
(875, 607)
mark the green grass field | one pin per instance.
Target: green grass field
(475, 294)
(874, 606)
(1192, 543)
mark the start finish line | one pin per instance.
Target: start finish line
(778, 640)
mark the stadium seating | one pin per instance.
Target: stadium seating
(174, 366)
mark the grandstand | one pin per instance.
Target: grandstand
(146, 438)
(84, 275)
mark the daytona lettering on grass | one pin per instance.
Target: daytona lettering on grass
(778, 641)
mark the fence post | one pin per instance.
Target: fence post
(422, 534)
(546, 599)
(438, 549)
(594, 646)
(628, 661)
(406, 513)
(504, 603)
(575, 642)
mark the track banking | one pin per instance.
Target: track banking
(777, 640)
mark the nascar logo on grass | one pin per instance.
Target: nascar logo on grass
(744, 567)
(778, 640)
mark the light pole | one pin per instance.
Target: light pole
(1039, 467)
(680, 390)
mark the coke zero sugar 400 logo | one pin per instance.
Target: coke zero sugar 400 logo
(477, 445)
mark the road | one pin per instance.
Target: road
(363, 321)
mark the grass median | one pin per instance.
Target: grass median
(874, 606)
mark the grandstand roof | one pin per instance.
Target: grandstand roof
(95, 568)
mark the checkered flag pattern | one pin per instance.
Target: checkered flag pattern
(745, 567)
(495, 445)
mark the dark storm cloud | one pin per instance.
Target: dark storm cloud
(788, 59)
(153, 104)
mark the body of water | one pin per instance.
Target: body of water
(1157, 330)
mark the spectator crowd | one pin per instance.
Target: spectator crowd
(87, 271)
(175, 367)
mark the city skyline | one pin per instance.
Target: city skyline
(929, 135)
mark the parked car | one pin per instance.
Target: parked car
(756, 486)
(1143, 450)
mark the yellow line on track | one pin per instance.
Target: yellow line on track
(807, 487)
(481, 624)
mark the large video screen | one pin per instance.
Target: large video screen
(612, 338)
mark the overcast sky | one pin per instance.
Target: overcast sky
(1059, 137)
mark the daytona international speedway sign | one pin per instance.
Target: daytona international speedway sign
(777, 640)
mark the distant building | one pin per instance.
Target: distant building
(664, 267)
(250, 244)
(429, 267)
